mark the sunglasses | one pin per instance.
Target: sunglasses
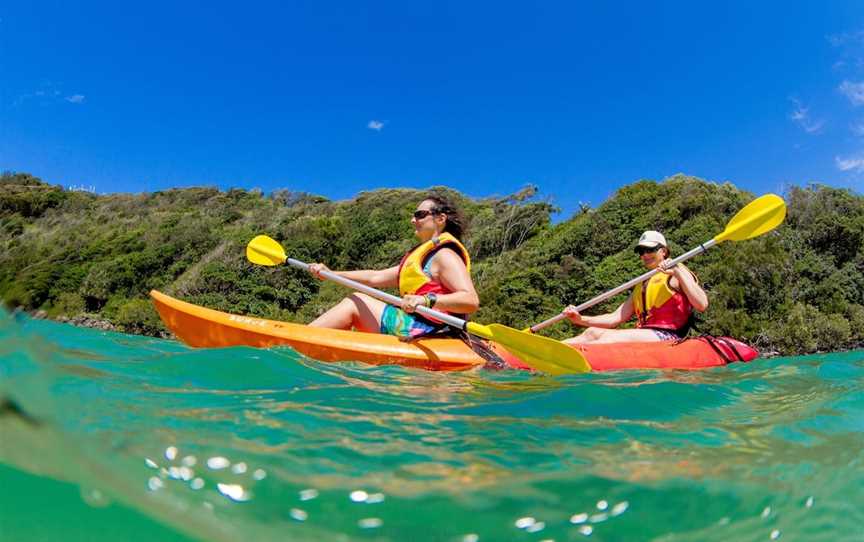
(423, 213)
(647, 250)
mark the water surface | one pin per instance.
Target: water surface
(115, 437)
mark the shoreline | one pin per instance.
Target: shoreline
(89, 321)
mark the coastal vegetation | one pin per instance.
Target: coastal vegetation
(77, 255)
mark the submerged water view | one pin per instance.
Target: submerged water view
(115, 437)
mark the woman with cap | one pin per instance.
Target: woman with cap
(663, 304)
(436, 274)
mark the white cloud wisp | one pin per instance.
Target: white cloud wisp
(853, 163)
(801, 116)
(853, 91)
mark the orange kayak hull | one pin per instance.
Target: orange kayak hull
(207, 328)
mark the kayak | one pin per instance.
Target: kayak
(207, 328)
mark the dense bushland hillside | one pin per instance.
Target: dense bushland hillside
(79, 255)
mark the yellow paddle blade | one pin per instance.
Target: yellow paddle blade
(265, 251)
(759, 216)
(541, 353)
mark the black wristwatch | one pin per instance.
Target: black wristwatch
(432, 300)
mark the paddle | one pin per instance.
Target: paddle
(541, 353)
(757, 217)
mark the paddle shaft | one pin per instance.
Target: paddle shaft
(626, 286)
(383, 296)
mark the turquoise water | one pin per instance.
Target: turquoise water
(114, 437)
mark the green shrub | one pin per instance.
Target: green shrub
(140, 317)
(67, 304)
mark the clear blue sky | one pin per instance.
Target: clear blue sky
(333, 98)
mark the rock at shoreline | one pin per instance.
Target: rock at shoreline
(83, 320)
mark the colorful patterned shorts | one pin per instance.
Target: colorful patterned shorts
(398, 322)
(665, 334)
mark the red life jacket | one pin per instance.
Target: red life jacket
(666, 308)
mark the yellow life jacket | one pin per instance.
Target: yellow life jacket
(659, 306)
(412, 279)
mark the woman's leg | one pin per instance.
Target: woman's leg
(596, 335)
(358, 311)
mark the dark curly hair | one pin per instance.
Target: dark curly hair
(455, 225)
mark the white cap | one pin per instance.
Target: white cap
(652, 239)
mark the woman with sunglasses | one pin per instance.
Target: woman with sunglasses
(663, 304)
(435, 274)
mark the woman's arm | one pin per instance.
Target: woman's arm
(376, 278)
(608, 321)
(449, 269)
(685, 281)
